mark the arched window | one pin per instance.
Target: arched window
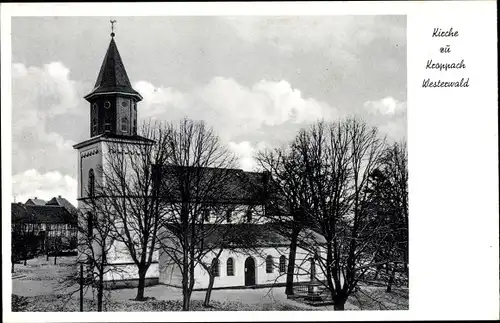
(90, 224)
(282, 264)
(230, 267)
(124, 124)
(215, 267)
(269, 264)
(91, 183)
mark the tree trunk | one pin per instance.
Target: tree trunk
(142, 284)
(211, 281)
(25, 259)
(291, 264)
(185, 297)
(339, 303)
(12, 268)
(391, 279)
(100, 290)
(338, 306)
(55, 259)
(185, 286)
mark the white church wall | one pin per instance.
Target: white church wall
(89, 157)
(170, 274)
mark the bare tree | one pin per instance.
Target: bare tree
(195, 182)
(95, 230)
(338, 159)
(128, 190)
(393, 197)
(287, 199)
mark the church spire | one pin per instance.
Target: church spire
(113, 78)
(113, 101)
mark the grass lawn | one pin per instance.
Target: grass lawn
(44, 287)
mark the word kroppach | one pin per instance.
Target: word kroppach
(444, 66)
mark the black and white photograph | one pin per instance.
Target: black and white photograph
(189, 163)
(209, 163)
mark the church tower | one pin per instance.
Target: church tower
(113, 101)
(113, 118)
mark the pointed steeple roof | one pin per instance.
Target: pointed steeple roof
(113, 76)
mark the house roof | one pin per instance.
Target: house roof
(61, 201)
(112, 76)
(48, 214)
(35, 201)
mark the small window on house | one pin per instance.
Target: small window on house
(124, 124)
(229, 215)
(230, 267)
(249, 216)
(91, 183)
(269, 264)
(215, 267)
(206, 215)
(282, 264)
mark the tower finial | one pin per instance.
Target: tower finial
(112, 27)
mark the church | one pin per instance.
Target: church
(113, 109)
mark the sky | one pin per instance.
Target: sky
(255, 80)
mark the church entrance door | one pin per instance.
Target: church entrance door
(249, 272)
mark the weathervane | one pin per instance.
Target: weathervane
(112, 27)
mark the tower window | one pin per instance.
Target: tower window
(134, 130)
(91, 183)
(90, 224)
(94, 125)
(124, 124)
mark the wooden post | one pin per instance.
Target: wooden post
(81, 287)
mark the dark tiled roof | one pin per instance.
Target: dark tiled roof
(113, 76)
(243, 235)
(61, 201)
(50, 214)
(214, 185)
(35, 201)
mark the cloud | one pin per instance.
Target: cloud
(341, 37)
(389, 115)
(47, 115)
(232, 108)
(245, 152)
(32, 183)
(387, 106)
